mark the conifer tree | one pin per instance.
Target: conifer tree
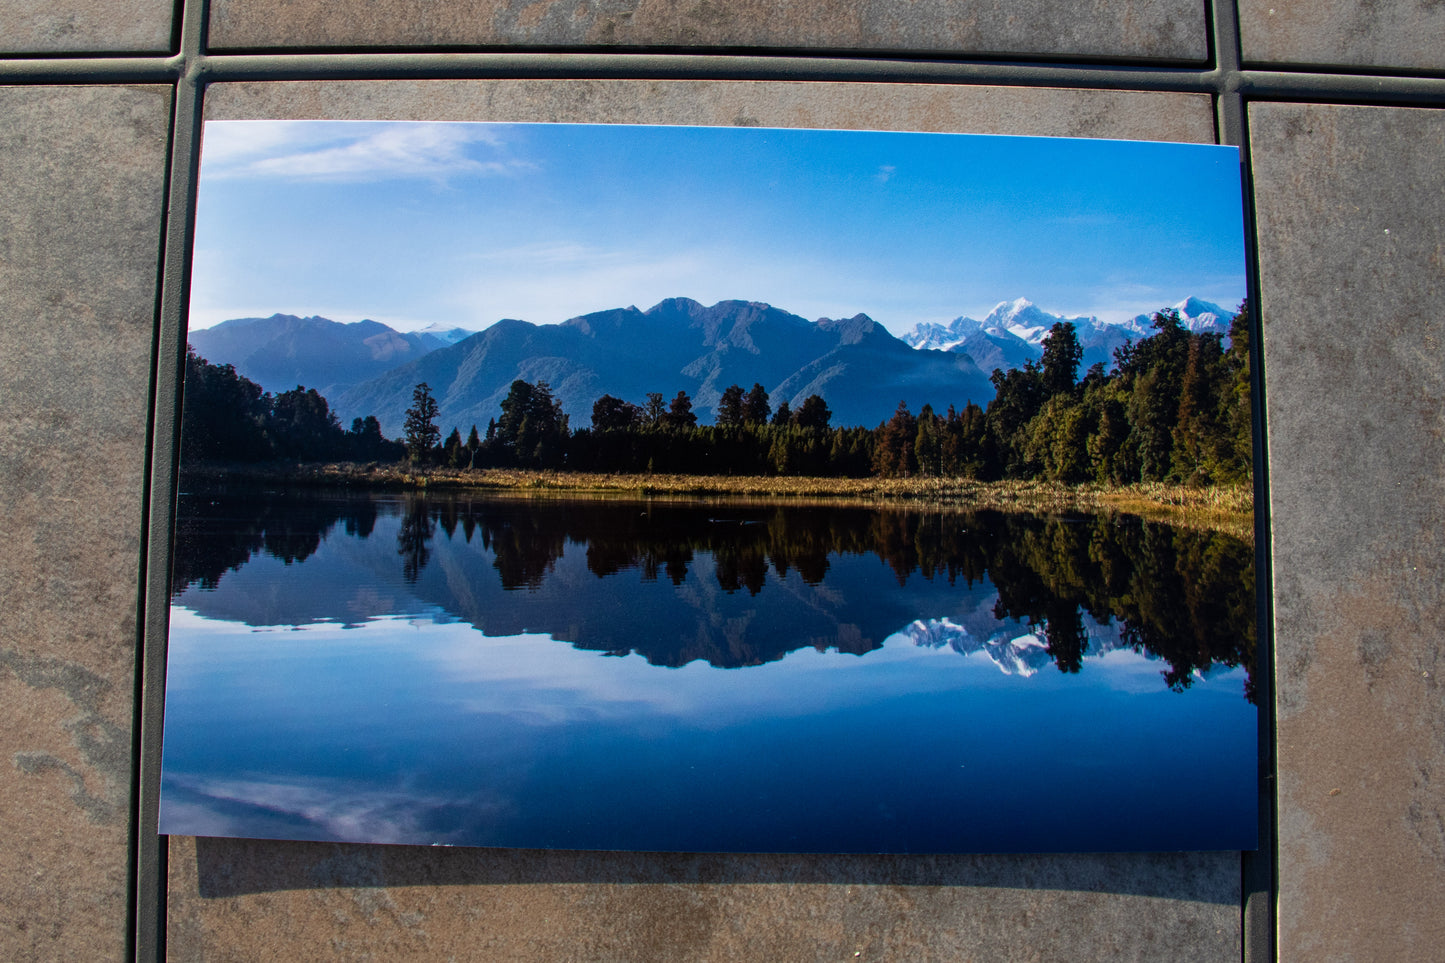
(679, 413)
(813, 413)
(1062, 355)
(755, 406)
(421, 431)
(730, 407)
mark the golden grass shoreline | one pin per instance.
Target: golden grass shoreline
(1221, 508)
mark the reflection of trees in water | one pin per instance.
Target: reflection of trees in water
(414, 536)
(1184, 595)
(222, 529)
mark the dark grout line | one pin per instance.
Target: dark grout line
(1259, 878)
(147, 878)
(1260, 869)
(91, 70)
(1256, 84)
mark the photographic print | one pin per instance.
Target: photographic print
(714, 490)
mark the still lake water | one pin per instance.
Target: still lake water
(705, 676)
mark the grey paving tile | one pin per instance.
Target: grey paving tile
(80, 228)
(249, 899)
(1038, 111)
(85, 26)
(1158, 29)
(246, 899)
(1351, 204)
(1399, 34)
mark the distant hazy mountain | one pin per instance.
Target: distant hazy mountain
(860, 369)
(1014, 332)
(445, 334)
(283, 351)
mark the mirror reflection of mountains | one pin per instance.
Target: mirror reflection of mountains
(734, 585)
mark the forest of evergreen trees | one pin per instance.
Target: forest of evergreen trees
(227, 417)
(1176, 408)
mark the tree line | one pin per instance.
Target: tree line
(1175, 408)
(227, 417)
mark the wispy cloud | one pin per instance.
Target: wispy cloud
(349, 151)
(885, 173)
(326, 808)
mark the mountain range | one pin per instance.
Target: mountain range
(283, 351)
(1014, 331)
(855, 364)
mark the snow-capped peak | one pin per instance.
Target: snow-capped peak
(1026, 321)
(1196, 314)
(447, 333)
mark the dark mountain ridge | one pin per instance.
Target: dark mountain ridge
(860, 369)
(283, 351)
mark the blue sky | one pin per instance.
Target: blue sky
(465, 224)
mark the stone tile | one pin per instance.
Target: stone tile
(1400, 34)
(1155, 29)
(1036, 111)
(1352, 254)
(80, 231)
(252, 899)
(239, 899)
(85, 26)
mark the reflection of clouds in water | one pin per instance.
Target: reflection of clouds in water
(537, 682)
(535, 678)
(316, 808)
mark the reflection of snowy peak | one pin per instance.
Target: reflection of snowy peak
(1014, 650)
(1020, 655)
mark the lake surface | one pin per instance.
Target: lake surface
(705, 676)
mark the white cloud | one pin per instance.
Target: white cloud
(352, 151)
(337, 809)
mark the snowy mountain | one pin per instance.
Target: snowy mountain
(1014, 331)
(445, 334)
(1197, 315)
(1013, 649)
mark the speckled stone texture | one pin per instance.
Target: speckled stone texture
(240, 900)
(1391, 34)
(1352, 256)
(85, 26)
(80, 231)
(1036, 111)
(1153, 29)
(252, 900)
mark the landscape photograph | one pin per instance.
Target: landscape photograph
(714, 490)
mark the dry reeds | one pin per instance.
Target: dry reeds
(1221, 508)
